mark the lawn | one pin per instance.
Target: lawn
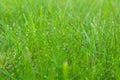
(59, 39)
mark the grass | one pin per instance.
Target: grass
(59, 40)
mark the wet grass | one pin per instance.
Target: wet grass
(59, 40)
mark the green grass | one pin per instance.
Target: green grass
(59, 40)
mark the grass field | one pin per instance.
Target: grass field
(59, 39)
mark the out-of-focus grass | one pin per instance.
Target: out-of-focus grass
(59, 40)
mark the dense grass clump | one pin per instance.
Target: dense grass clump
(59, 40)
